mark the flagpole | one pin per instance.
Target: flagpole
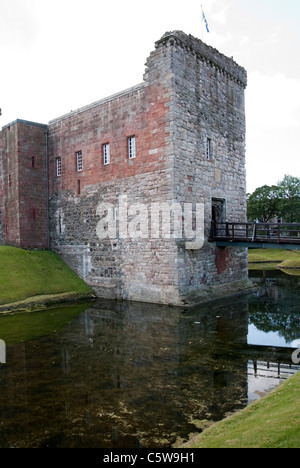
(204, 20)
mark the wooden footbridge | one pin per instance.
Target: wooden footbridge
(256, 235)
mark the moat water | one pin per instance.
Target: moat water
(140, 375)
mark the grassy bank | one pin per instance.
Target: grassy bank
(272, 422)
(36, 277)
(273, 259)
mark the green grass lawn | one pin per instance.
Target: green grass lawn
(272, 422)
(26, 274)
(259, 259)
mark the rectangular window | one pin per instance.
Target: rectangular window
(58, 167)
(79, 161)
(131, 147)
(209, 149)
(106, 154)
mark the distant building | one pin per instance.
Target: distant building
(121, 187)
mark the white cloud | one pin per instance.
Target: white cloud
(273, 101)
(17, 24)
(245, 41)
(271, 39)
(220, 16)
(273, 127)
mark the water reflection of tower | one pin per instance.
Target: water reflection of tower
(211, 347)
(272, 291)
(156, 368)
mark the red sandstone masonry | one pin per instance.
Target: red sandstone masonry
(10, 184)
(141, 112)
(33, 185)
(1, 191)
(24, 185)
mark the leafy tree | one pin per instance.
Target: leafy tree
(289, 192)
(282, 201)
(263, 204)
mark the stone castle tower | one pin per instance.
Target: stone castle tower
(125, 189)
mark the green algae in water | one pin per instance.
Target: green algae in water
(21, 327)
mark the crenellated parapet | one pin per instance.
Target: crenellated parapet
(205, 53)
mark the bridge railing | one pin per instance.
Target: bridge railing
(256, 232)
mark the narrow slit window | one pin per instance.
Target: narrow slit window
(32, 162)
(78, 187)
(106, 154)
(58, 167)
(208, 149)
(79, 161)
(132, 147)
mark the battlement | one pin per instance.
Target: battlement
(25, 122)
(205, 52)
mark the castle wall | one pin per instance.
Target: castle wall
(126, 267)
(209, 110)
(1, 192)
(23, 191)
(130, 264)
(10, 186)
(139, 112)
(33, 185)
(125, 217)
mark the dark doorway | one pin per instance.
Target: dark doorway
(218, 214)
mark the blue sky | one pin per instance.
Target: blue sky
(65, 54)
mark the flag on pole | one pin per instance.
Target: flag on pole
(205, 21)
